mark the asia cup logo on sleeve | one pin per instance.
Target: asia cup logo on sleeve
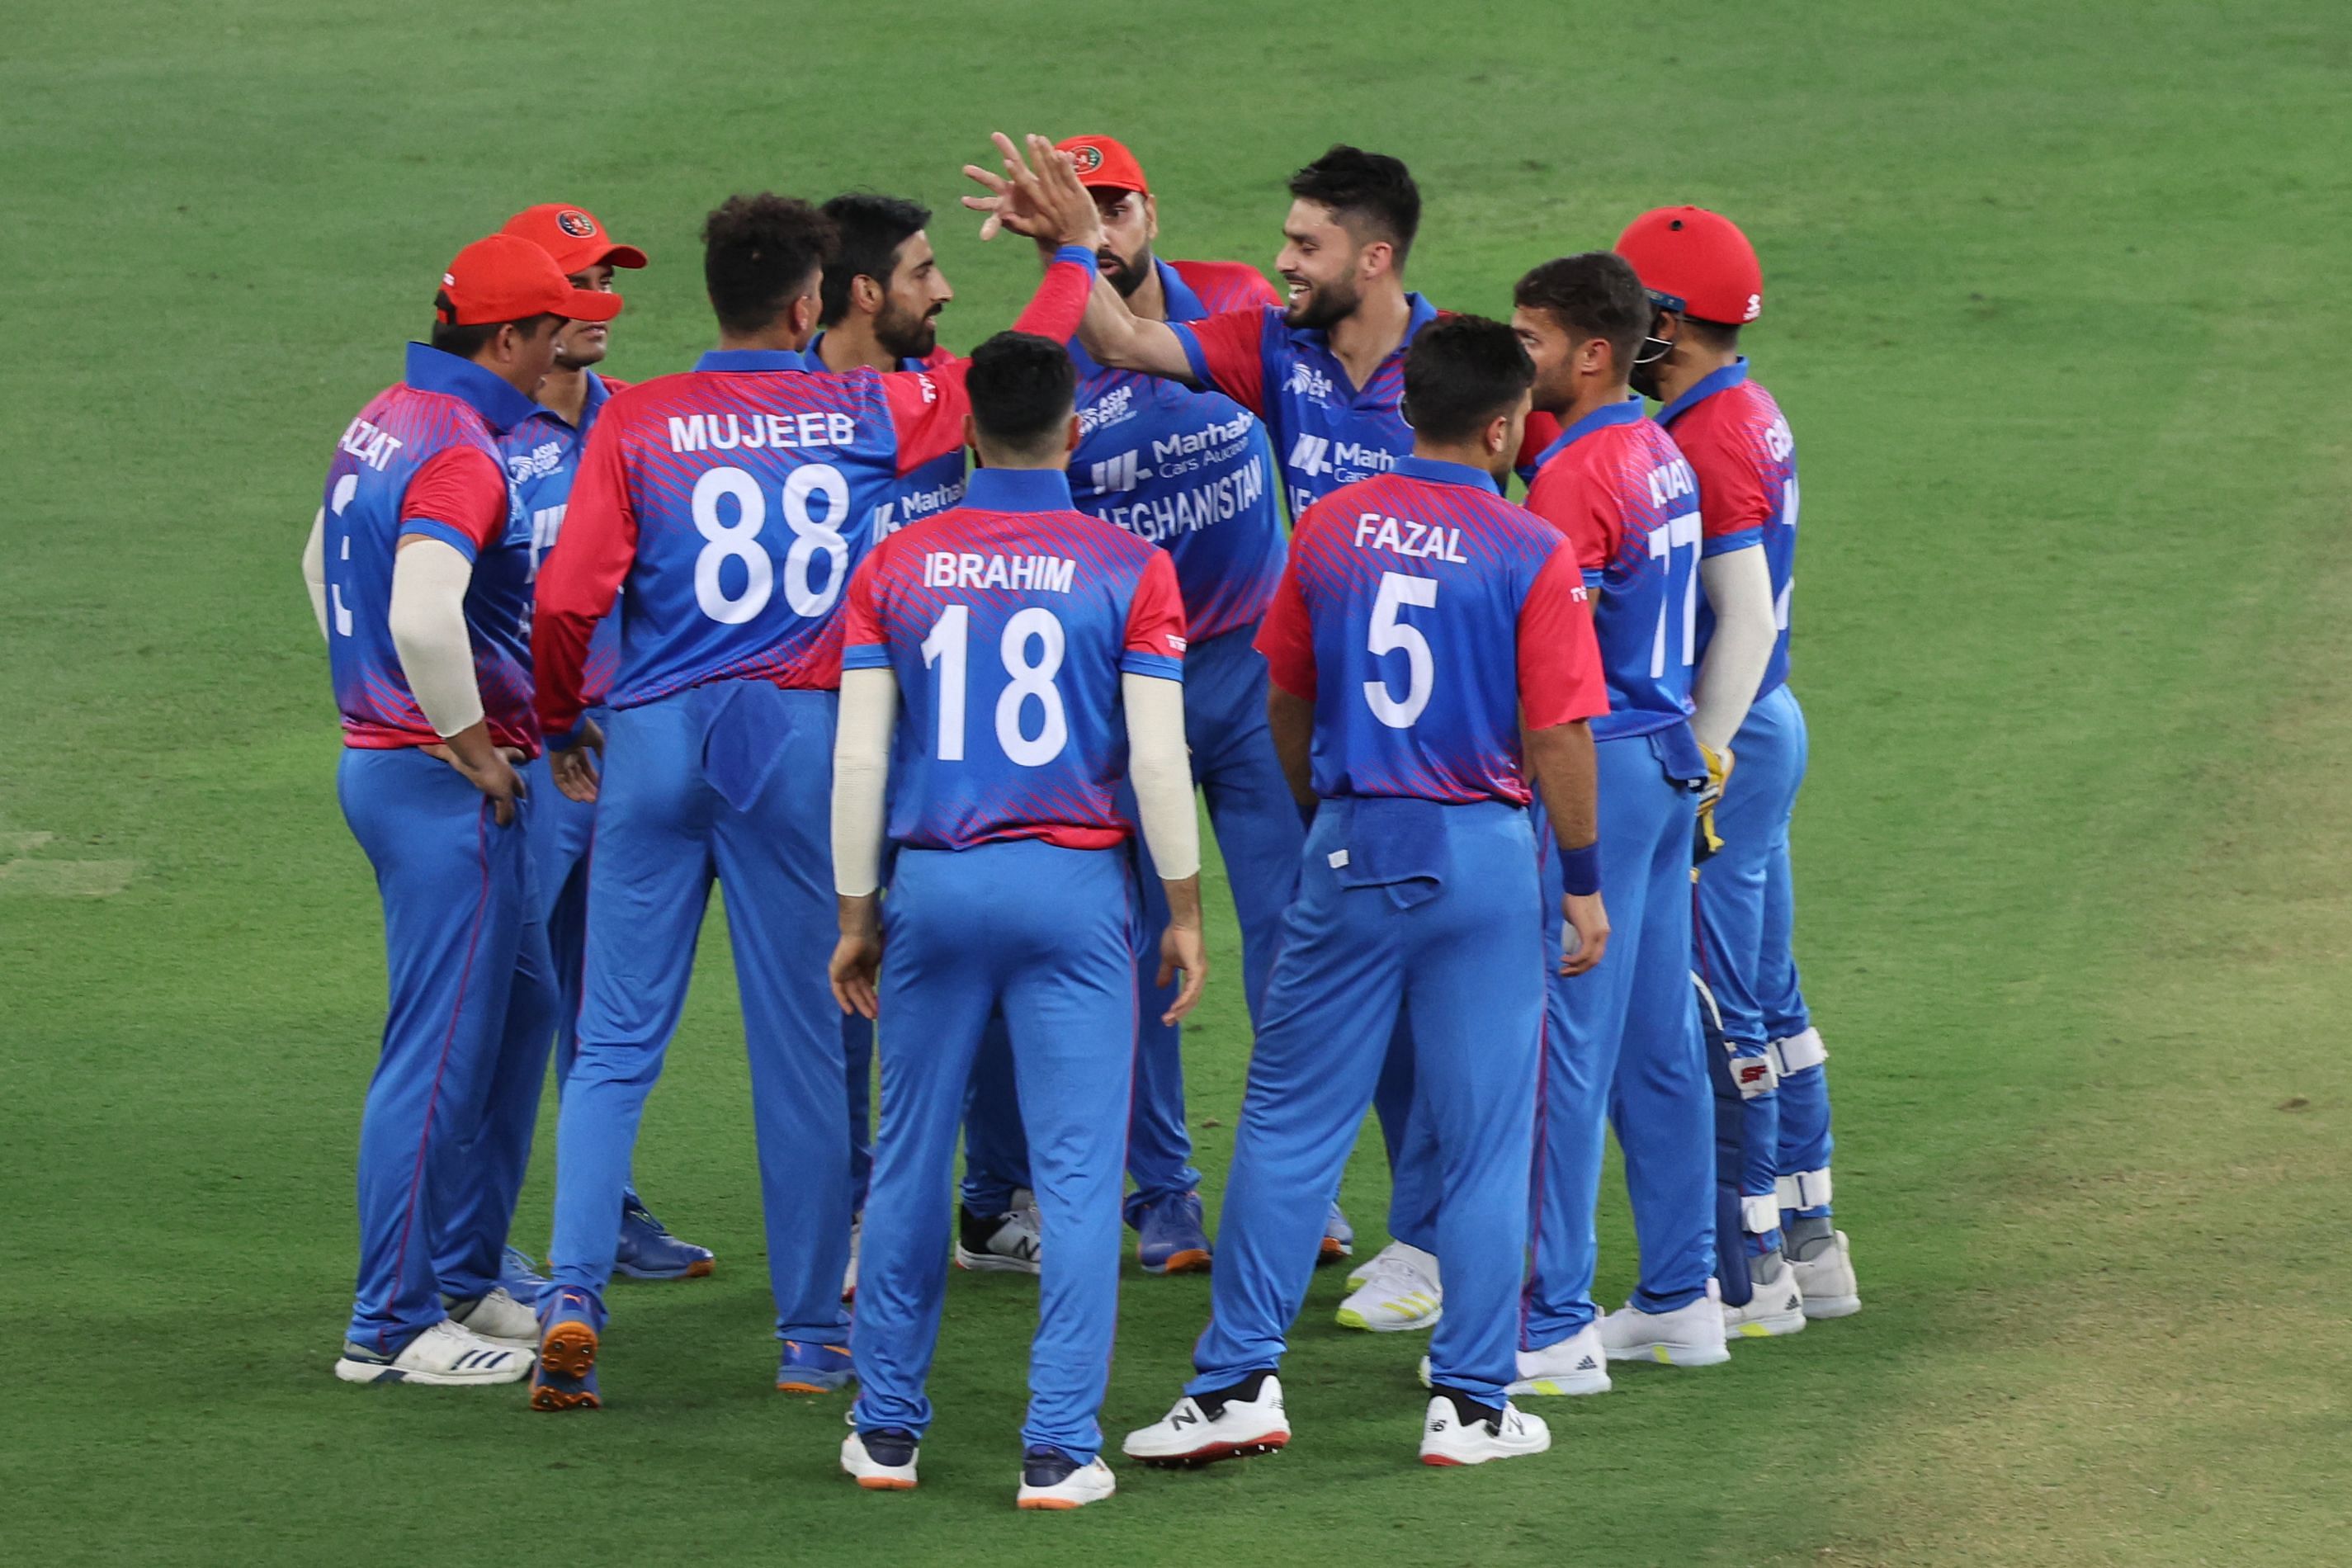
(576, 224)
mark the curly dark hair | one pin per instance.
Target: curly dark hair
(759, 254)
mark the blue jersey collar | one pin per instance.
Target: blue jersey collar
(739, 359)
(490, 395)
(1018, 489)
(599, 395)
(815, 357)
(1184, 305)
(1442, 473)
(1624, 413)
(1722, 380)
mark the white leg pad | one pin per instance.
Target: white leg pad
(1805, 1189)
(1755, 1075)
(1760, 1214)
(1798, 1052)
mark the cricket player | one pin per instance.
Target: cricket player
(1190, 471)
(424, 568)
(1706, 283)
(1430, 652)
(1027, 656)
(542, 455)
(1622, 1045)
(733, 502)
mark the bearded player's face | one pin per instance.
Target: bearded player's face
(1130, 222)
(1320, 265)
(907, 325)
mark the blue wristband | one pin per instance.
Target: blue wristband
(1580, 870)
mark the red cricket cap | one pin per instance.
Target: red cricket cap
(571, 235)
(1105, 164)
(1696, 262)
(502, 279)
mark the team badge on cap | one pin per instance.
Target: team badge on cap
(1088, 159)
(576, 224)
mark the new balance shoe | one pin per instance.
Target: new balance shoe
(499, 1319)
(1400, 1292)
(1823, 1265)
(649, 1250)
(1690, 1335)
(446, 1355)
(1578, 1365)
(1170, 1238)
(1051, 1479)
(999, 1244)
(1457, 1431)
(882, 1460)
(810, 1368)
(570, 1323)
(1338, 1241)
(1244, 1419)
(1774, 1306)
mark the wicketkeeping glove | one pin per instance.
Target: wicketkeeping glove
(1706, 841)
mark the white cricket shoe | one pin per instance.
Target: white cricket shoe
(1513, 1435)
(1363, 1271)
(1773, 1309)
(1005, 1244)
(499, 1319)
(1400, 1292)
(1049, 1480)
(849, 1275)
(446, 1355)
(1687, 1336)
(1578, 1365)
(1191, 1434)
(881, 1461)
(1827, 1280)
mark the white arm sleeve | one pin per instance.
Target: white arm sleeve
(1739, 591)
(861, 767)
(314, 568)
(427, 621)
(1160, 769)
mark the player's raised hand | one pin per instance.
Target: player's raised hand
(1038, 195)
(1590, 924)
(856, 967)
(576, 767)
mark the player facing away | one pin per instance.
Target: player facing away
(542, 455)
(1027, 656)
(731, 502)
(1622, 1045)
(879, 303)
(1188, 470)
(1324, 370)
(426, 568)
(1703, 279)
(1431, 654)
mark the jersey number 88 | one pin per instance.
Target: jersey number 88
(740, 541)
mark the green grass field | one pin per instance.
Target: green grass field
(2057, 306)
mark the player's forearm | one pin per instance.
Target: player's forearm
(1119, 339)
(1567, 777)
(861, 770)
(1291, 720)
(428, 622)
(1160, 769)
(1738, 587)
(1060, 302)
(314, 568)
(1184, 900)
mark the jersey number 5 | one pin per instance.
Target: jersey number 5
(1389, 635)
(740, 541)
(946, 651)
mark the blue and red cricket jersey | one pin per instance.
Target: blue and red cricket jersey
(1008, 621)
(1437, 614)
(934, 486)
(423, 458)
(1186, 469)
(1739, 447)
(542, 457)
(735, 500)
(1615, 484)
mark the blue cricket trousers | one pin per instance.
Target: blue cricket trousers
(1046, 937)
(1259, 835)
(471, 1012)
(1622, 1047)
(1776, 729)
(1406, 910)
(730, 780)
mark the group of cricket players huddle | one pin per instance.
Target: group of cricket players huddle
(1502, 792)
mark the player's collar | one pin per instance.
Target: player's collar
(1423, 313)
(1624, 413)
(1442, 473)
(1184, 305)
(488, 394)
(1018, 489)
(599, 395)
(739, 359)
(1707, 386)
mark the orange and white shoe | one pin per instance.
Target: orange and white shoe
(1052, 1480)
(881, 1460)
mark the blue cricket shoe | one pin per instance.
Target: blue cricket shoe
(570, 1322)
(648, 1251)
(1170, 1237)
(809, 1368)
